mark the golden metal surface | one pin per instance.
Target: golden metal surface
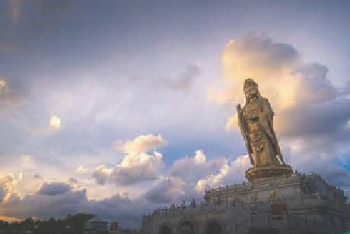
(255, 120)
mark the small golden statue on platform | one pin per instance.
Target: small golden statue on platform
(255, 120)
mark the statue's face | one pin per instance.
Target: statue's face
(251, 92)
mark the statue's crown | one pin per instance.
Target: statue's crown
(249, 82)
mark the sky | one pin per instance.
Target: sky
(118, 107)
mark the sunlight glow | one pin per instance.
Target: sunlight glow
(55, 123)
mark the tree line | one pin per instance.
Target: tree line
(72, 224)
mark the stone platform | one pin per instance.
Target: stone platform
(297, 203)
(255, 173)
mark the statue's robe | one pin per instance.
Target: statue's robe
(258, 116)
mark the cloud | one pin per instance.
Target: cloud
(183, 81)
(12, 91)
(232, 123)
(101, 174)
(199, 157)
(229, 173)
(51, 200)
(188, 177)
(137, 165)
(128, 212)
(183, 178)
(133, 169)
(315, 121)
(327, 164)
(27, 161)
(3, 192)
(140, 144)
(55, 123)
(311, 114)
(37, 176)
(81, 170)
(307, 105)
(8, 185)
(165, 190)
(53, 189)
(259, 58)
(59, 200)
(196, 167)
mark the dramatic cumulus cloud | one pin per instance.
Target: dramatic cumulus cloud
(137, 165)
(139, 145)
(188, 177)
(312, 115)
(230, 172)
(196, 167)
(308, 107)
(58, 199)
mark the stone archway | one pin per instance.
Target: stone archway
(213, 227)
(186, 227)
(164, 229)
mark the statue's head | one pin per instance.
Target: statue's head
(251, 90)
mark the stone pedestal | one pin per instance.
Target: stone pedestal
(254, 173)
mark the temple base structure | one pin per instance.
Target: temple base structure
(294, 204)
(261, 172)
